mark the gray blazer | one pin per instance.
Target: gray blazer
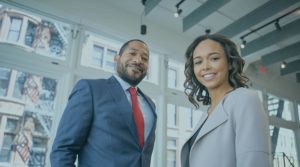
(236, 134)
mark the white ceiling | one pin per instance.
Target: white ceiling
(165, 32)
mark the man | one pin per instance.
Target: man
(104, 124)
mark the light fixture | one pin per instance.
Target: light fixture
(275, 21)
(177, 13)
(207, 31)
(143, 29)
(277, 25)
(283, 65)
(178, 10)
(243, 44)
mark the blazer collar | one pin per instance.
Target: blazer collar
(217, 117)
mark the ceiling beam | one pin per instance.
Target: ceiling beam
(298, 77)
(202, 12)
(290, 68)
(258, 15)
(150, 4)
(287, 31)
(281, 54)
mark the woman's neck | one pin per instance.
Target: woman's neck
(216, 95)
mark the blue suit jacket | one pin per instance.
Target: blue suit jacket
(98, 126)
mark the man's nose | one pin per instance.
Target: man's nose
(137, 59)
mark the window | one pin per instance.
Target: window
(172, 115)
(34, 33)
(109, 59)
(280, 108)
(189, 116)
(19, 85)
(172, 78)
(5, 153)
(171, 151)
(153, 71)
(284, 142)
(175, 75)
(14, 29)
(4, 80)
(33, 110)
(0, 22)
(97, 57)
(30, 33)
(9, 135)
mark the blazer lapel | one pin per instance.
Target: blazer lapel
(124, 107)
(217, 118)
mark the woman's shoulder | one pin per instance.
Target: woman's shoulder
(242, 94)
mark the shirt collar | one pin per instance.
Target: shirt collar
(123, 83)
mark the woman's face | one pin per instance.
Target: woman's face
(210, 65)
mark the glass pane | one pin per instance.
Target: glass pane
(11, 125)
(280, 108)
(97, 57)
(4, 79)
(5, 153)
(40, 35)
(30, 33)
(19, 85)
(0, 22)
(171, 158)
(109, 59)
(153, 71)
(34, 117)
(95, 47)
(299, 113)
(171, 143)
(14, 29)
(283, 142)
(172, 78)
(172, 115)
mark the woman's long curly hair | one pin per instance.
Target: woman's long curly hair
(197, 92)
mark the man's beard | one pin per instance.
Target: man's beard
(123, 73)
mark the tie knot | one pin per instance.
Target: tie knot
(132, 91)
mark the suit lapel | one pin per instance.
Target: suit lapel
(124, 108)
(217, 118)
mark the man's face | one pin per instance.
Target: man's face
(132, 65)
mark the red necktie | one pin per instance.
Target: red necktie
(137, 115)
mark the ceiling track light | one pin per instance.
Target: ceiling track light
(277, 25)
(243, 44)
(283, 65)
(178, 10)
(275, 21)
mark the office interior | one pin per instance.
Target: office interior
(47, 46)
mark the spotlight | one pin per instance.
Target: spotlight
(207, 31)
(277, 25)
(143, 29)
(177, 13)
(178, 10)
(243, 45)
(283, 65)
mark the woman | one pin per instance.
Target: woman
(234, 131)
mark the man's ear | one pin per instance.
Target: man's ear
(116, 58)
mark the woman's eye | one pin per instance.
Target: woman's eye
(215, 58)
(198, 62)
